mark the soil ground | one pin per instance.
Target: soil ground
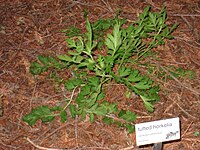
(29, 28)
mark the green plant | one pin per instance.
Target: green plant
(196, 134)
(71, 31)
(44, 63)
(176, 72)
(93, 70)
(181, 73)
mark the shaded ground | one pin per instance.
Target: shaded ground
(32, 27)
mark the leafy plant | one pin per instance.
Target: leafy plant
(45, 114)
(72, 31)
(44, 63)
(176, 72)
(181, 73)
(196, 134)
(92, 70)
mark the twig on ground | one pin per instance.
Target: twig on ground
(94, 148)
(188, 24)
(182, 84)
(54, 132)
(71, 98)
(76, 132)
(186, 15)
(89, 4)
(10, 146)
(181, 108)
(187, 129)
(40, 147)
(191, 140)
(128, 148)
(33, 93)
(108, 6)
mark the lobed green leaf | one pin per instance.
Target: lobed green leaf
(41, 112)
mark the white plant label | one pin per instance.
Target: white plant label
(157, 131)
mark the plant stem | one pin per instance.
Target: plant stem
(151, 44)
(71, 98)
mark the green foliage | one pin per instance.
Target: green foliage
(44, 63)
(128, 118)
(45, 114)
(127, 115)
(181, 73)
(176, 72)
(72, 31)
(93, 70)
(196, 134)
(100, 27)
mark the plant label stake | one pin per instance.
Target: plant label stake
(156, 132)
(157, 146)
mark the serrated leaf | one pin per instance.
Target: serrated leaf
(91, 117)
(63, 116)
(84, 63)
(121, 113)
(130, 128)
(101, 95)
(114, 41)
(41, 112)
(144, 14)
(77, 81)
(56, 108)
(147, 104)
(30, 119)
(107, 120)
(72, 83)
(94, 81)
(123, 71)
(71, 31)
(52, 60)
(89, 33)
(146, 10)
(127, 115)
(133, 78)
(65, 58)
(37, 69)
(164, 15)
(72, 111)
(85, 90)
(43, 59)
(134, 73)
(152, 94)
(74, 53)
(80, 45)
(88, 48)
(94, 107)
(100, 61)
(174, 27)
(90, 44)
(109, 42)
(78, 59)
(100, 111)
(71, 43)
(143, 85)
(110, 107)
(69, 85)
(138, 30)
(153, 18)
